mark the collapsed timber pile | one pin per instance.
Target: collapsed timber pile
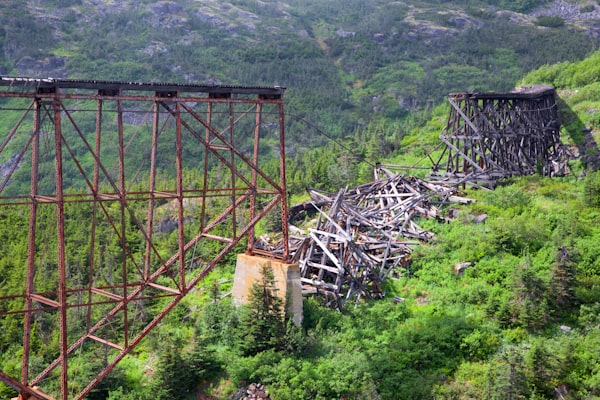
(363, 235)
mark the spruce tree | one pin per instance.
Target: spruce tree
(173, 378)
(540, 369)
(529, 299)
(261, 322)
(562, 284)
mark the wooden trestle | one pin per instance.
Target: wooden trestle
(490, 136)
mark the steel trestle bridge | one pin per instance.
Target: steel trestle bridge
(104, 173)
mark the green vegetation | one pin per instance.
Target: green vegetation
(262, 321)
(578, 85)
(366, 80)
(521, 322)
(375, 59)
(550, 22)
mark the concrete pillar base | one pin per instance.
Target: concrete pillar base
(287, 281)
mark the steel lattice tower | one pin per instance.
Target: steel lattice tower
(102, 169)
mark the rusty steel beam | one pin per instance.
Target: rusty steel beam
(77, 151)
(166, 88)
(61, 260)
(31, 244)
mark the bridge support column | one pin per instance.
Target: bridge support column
(287, 281)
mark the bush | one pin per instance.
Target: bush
(173, 377)
(550, 21)
(591, 189)
(589, 317)
(587, 8)
(522, 233)
(480, 344)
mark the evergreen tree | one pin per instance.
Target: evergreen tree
(529, 297)
(562, 281)
(540, 369)
(591, 187)
(173, 378)
(506, 379)
(295, 340)
(262, 322)
(202, 363)
(589, 317)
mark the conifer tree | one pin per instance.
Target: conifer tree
(173, 378)
(506, 378)
(529, 297)
(262, 322)
(562, 283)
(540, 368)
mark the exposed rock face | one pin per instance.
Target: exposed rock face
(165, 7)
(167, 14)
(432, 32)
(569, 11)
(228, 17)
(8, 166)
(52, 67)
(111, 7)
(586, 17)
(459, 269)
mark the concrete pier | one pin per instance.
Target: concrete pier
(287, 281)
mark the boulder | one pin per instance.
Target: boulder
(460, 268)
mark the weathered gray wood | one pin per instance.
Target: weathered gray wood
(501, 135)
(360, 237)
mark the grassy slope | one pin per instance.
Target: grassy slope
(457, 337)
(522, 320)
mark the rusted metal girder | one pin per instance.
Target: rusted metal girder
(109, 166)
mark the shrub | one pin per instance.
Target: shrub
(591, 189)
(587, 8)
(550, 21)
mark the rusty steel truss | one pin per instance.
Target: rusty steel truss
(490, 136)
(133, 192)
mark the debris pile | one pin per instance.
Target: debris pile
(363, 235)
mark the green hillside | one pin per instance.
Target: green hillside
(363, 71)
(345, 63)
(366, 82)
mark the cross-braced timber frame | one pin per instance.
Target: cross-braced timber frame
(105, 173)
(491, 136)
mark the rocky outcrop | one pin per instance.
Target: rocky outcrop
(254, 391)
(50, 66)
(227, 17)
(584, 16)
(167, 14)
(569, 11)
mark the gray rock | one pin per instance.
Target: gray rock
(163, 8)
(460, 268)
(479, 219)
(51, 66)
(565, 328)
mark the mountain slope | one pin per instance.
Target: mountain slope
(522, 320)
(343, 61)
